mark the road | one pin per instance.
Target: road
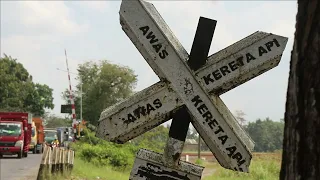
(12, 168)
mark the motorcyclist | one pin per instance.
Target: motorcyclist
(55, 143)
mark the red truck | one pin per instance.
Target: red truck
(15, 133)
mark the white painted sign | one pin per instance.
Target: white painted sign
(140, 113)
(148, 165)
(225, 70)
(150, 34)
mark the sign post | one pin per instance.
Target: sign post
(157, 103)
(166, 57)
(66, 108)
(187, 90)
(181, 119)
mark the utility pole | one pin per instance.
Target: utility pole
(80, 123)
(199, 146)
(80, 98)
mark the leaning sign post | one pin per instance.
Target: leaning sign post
(167, 58)
(181, 86)
(181, 119)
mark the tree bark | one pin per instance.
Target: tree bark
(301, 145)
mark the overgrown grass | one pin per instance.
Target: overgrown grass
(89, 171)
(102, 153)
(263, 167)
(98, 159)
(199, 162)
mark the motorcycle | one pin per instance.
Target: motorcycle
(52, 145)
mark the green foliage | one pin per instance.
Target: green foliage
(104, 84)
(107, 154)
(53, 121)
(266, 168)
(267, 134)
(120, 156)
(18, 92)
(104, 153)
(199, 162)
(155, 139)
(39, 98)
(192, 133)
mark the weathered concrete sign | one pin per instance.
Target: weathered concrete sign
(166, 57)
(181, 119)
(179, 85)
(156, 104)
(148, 165)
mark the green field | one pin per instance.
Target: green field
(264, 166)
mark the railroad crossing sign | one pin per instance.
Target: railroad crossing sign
(149, 165)
(180, 86)
(181, 119)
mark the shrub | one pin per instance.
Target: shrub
(199, 162)
(106, 154)
(103, 153)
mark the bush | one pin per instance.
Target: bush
(154, 140)
(103, 153)
(121, 156)
(199, 162)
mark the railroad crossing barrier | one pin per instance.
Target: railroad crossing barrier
(55, 161)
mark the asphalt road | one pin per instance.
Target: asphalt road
(12, 168)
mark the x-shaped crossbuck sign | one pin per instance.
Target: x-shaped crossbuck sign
(179, 85)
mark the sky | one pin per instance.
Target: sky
(36, 33)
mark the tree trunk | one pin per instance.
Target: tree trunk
(301, 146)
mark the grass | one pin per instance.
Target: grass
(199, 162)
(87, 171)
(264, 166)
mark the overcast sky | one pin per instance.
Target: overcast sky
(36, 33)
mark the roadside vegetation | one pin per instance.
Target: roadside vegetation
(104, 84)
(18, 92)
(99, 159)
(89, 171)
(264, 166)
